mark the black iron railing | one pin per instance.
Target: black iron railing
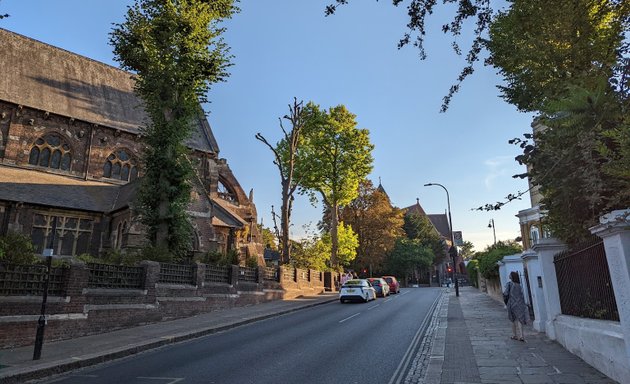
(115, 276)
(178, 274)
(584, 282)
(248, 274)
(218, 274)
(28, 280)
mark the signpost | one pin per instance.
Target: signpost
(41, 323)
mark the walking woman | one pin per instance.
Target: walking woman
(517, 309)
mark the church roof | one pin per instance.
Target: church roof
(51, 79)
(440, 222)
(46, 189)
(415, 209)
(225, 216)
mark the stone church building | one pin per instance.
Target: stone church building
(70, 145)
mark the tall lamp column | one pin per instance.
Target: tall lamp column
(494, 233)
(453, 250)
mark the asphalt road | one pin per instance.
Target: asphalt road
(332, 343)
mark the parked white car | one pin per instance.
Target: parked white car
(357, 290)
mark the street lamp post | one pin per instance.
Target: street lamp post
(453, 250)
(494, 233)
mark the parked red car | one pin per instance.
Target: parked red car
(394, 286)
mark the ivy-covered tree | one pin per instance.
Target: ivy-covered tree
(338, 155)
(376, 222)
(174, 49)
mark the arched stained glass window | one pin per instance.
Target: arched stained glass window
(51, 151)
(121, 165)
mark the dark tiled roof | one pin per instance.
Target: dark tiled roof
(41, 188)
(415, 209)
(126, 195)
(224, 216)
(48, 78)
(440, 222)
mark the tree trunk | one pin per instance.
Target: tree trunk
(161, 233)
(284, 221)
(334, 238)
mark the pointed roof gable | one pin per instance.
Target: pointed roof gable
(415, 209)
(51, 79)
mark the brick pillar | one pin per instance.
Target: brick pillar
(614, 229)
(200, 279)
(151, 278)
(260, 274)
(546, 250)
(75, 281)
(234, 272)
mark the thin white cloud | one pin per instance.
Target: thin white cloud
(497, 167)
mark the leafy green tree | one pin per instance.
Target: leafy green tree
(376, 223)
(314, 251)
(175, 51)
(543, 51)
(310, 252)
(466, 250)
(269, 240)
(408, 256)
(492, 254)
(285, 157)
(579, 182)
(472, 269)
(420, 228)
(338, 156)
(17, 248)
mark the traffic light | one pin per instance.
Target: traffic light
(449, 269)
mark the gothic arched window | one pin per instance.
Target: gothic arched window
(120, 165)
(226, 193)
(51, 151)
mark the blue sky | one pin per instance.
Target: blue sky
(287, 48)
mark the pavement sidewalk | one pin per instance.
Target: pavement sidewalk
(472, 345)
(17, 365)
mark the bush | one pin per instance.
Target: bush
(218, 258)
(16, 248)
(153, 253)
(488, 259)
(251, 262)
(473, 272)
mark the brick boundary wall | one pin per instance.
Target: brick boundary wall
(85, 311)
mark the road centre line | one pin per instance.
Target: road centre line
(374, 306)
(173, 380)
(350, 317)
